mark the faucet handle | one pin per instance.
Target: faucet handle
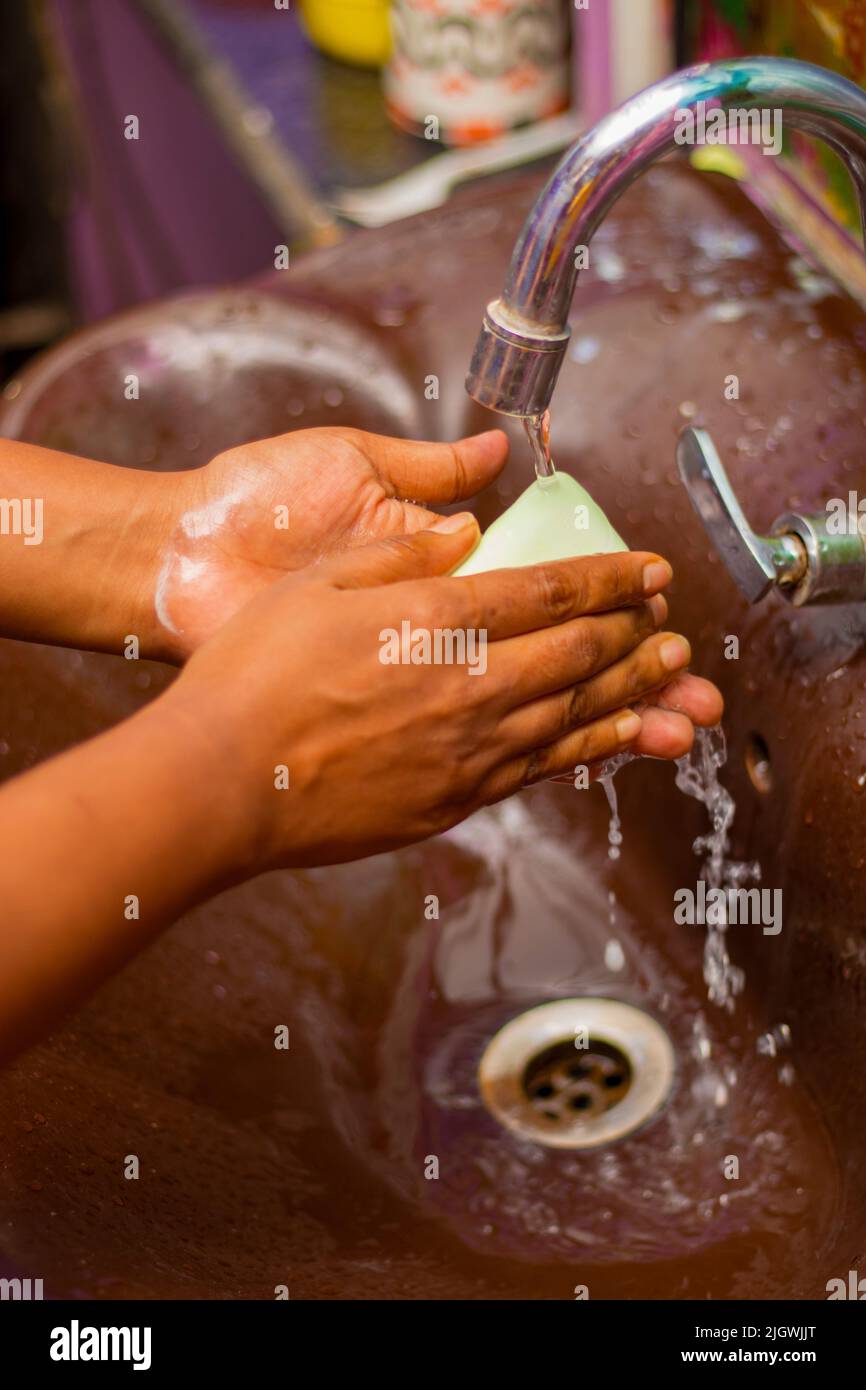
(755, 563)
(803, 558)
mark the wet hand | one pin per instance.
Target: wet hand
(261, 510)
(671, 715)
(375, 755)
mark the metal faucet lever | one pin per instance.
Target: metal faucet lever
(800, 558)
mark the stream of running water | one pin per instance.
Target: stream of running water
(538, 433)
(698, 776)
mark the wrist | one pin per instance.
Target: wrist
(158, 513)
(223, 758)
(88, 581)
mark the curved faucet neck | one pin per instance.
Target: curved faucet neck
(525, 334)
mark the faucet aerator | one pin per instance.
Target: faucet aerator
(514, 372)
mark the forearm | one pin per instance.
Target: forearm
(80, 547)
(102, 848)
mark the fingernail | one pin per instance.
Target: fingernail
(453, 523)
(656, 576)
(675, 652)
(628, 726)
(658, 606)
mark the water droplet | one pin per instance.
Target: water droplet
(614, 956)
(584, 350)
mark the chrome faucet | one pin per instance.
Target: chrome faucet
(524, 336)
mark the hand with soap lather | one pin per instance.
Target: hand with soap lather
(169, 557)
(343, 488)
(286, 672)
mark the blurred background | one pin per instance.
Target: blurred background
(155, 145)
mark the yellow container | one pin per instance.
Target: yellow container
(355, 31)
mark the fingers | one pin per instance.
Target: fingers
(591, 743)
(693, 696)
(510, 602)
(436, 472)
(646, 668)
(669, 718)
(425, 554)
(557, 659)
(665, 734)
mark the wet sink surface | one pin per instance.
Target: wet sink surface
(306, 1167)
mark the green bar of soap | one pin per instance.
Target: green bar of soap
(554, 519)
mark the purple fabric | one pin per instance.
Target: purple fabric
(166, 211)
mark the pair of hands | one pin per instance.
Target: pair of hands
(280, 630)
(279, 635)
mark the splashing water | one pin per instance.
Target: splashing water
(771, 1044)
(606, 774)
(614, 829)
(614, 958)
(775, 1044)
(698, 776)
(538, 433)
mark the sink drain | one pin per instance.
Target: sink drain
(590, 1081)
(577, 1072)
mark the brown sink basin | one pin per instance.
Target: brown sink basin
(311, 1168)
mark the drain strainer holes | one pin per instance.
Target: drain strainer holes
(563, 1083)
(538, 1084)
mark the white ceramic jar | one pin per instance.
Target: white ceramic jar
(469, 70)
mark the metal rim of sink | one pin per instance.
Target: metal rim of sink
(577, 1073)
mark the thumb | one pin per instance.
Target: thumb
(437, 472)
(426, 553)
